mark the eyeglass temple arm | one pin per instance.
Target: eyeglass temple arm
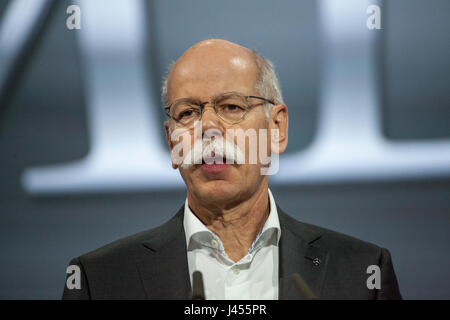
(261, 98)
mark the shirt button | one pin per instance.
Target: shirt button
(214, 243)
(235, 270)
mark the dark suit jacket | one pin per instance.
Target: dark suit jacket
(153, 265)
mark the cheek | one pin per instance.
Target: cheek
(257, 135)
(182, 141)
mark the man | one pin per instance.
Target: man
(230, 228)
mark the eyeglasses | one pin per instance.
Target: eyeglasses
(230, 107)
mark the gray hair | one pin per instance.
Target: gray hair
(267, 84)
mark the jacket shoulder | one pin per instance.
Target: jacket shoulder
(132, 246)
(112, 271)
(347, 260)
(331, 240)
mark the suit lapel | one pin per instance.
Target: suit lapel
(298, 254)
(164, 268)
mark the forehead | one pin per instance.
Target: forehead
(208, 72)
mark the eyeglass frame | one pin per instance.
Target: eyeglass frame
(214, 101)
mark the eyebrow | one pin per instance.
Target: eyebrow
(214, 98)
(193, 100)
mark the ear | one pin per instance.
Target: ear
(169, 141)
(279, 121)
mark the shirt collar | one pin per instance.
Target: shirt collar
(193, 226)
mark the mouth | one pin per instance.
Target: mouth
(211, 167)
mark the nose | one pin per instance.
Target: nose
(210, 119)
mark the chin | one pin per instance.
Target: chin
(218, 190)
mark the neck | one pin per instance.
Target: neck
(237, 225)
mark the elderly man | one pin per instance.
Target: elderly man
(230, 227)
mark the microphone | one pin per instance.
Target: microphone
(198, 290)
(302, 288)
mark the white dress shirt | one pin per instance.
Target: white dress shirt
(254, 277)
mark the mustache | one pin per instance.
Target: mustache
(216, 150)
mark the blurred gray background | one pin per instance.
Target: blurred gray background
(43, 121)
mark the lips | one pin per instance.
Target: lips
(213, 167)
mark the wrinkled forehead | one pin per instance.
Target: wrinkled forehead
(208, 71)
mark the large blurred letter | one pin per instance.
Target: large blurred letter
(126, 152)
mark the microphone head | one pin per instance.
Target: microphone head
(198, 290)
